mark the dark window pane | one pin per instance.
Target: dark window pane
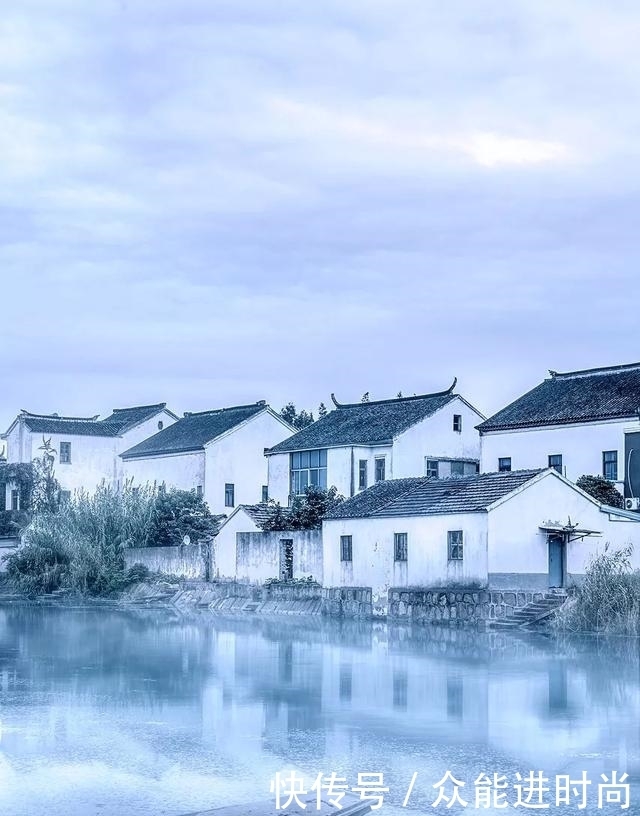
(504, 464)
(314, 458)
(304, 459)
(400, 546)
(346, 551)
(457, 468)
(433, 468)
(362, 474)
(323, 458)
(555, 461)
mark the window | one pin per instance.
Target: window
(65, 496)
(457, 423)
(555, 462)
(400, 546)
(362, 474)
(457, 468)
(610, 465)
(432, 468)
(504, 464)
(454, 541)
(160, 424)
(198, 490)
(265, 493)
(380, 468)
(65, 453)
(15, 499)
(346, 548)
(308, 468)
(229, 495)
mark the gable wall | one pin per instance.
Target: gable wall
(224, 550)
(434, 436)
(238, 458)
(518, 551)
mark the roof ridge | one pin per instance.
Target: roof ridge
(138, 407)
(587, 372)
(444, 393)
(260, 403)
(57, 416)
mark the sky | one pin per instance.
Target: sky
(211, 203)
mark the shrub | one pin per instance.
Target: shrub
(306, 512)
(177, 513)
(608, 600)
(38, 568)
(601, 489)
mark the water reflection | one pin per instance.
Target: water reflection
(115, 712)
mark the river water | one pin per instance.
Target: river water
(147, 712)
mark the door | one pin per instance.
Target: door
(556, 558)
(286, 559)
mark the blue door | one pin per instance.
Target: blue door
(556, 566)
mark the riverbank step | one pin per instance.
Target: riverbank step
(533, 613)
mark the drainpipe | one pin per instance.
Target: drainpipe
(352, 485)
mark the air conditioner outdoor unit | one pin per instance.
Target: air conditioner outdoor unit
(632, 504)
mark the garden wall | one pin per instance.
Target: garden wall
(187, 560)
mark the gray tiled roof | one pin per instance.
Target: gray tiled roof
(73, 426)
(119, 421)
(428, 496)
(261, 513)
(125, 418)
(193, 431)
(576, 396)
(365, 423)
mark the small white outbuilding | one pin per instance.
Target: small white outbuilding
(522, 530)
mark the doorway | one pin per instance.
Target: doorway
(556, 561)
(286, 559)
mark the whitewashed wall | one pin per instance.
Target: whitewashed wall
(184, 471)
(224, 550)
(137, 434)
(435, 437)
(373, 562)
(238, 458)
(581, 447)
(518, 552)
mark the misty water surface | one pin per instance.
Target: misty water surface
(145, 712)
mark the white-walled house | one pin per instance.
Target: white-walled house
(87, 448)
(356, 445)
(580, 422)
(521, 530)
(218, 453)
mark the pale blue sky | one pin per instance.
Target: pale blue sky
(211, 203)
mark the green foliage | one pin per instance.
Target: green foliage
(178, 513)
(306, 512)
(20, 474)
(12, 522)
(89, 536)
(299, 419)
(608, 600)
(601, 489)
(39, 567)
(45, 496)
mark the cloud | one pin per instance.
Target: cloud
(300, 198)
